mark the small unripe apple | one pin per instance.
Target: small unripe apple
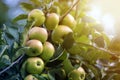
(34, 65)
(51, 21)
(38, 16)
(59, 33)
(69, 21)
(38, 33)
(48, 51)
(35, 49)
(77, 74)
(30, 77)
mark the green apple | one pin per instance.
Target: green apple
(59, 33)
(38, 33)
(34, 65)
(48, 51)
(69, 21)
(30, 77)
(38, 16)
(77, 74)
(35, 48)
(52, 20)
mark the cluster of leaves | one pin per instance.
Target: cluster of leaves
(91, 44)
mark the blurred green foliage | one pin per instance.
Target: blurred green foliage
(3, 13)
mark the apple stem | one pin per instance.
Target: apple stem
(68, 11)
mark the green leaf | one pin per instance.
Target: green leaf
(57, 60)
(58, 51)
(24, 35)
(68, 41)
(19, 52)
(36, 2)
(13, 31)
(87, 51)
(78, 29)
(23, 70)
(27, 6)
(10, 35)
(20, 17)
(40, 77)
(92, 55)
(83, 39)
(78, 11)
(1, 37)
(3, 49)
(4, 61)
(67, 66)
(96, 72)
(112, 76)
(14, 77)
(57, 74)
(51, 75)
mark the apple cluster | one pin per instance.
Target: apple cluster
(46, 31)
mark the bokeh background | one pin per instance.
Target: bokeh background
(109, 11)
(105, 11)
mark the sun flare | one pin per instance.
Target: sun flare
(106, 19)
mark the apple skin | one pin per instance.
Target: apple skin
(30, 77)
(34, 65)
(59, 33)
(69, 21)
(38, 33)
(77, 74)
(48, 51)
(38, 16)
(52, 20)
(36, 48)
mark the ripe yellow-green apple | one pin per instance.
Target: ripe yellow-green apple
(30, 77)
(48, 51)
(38, 16)
(34, 65)
(77, 74)
(35, 47)
(69, 21)
(38, 33)
(59, 33)
(52, 20)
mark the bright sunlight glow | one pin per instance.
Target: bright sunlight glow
(107, 20)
